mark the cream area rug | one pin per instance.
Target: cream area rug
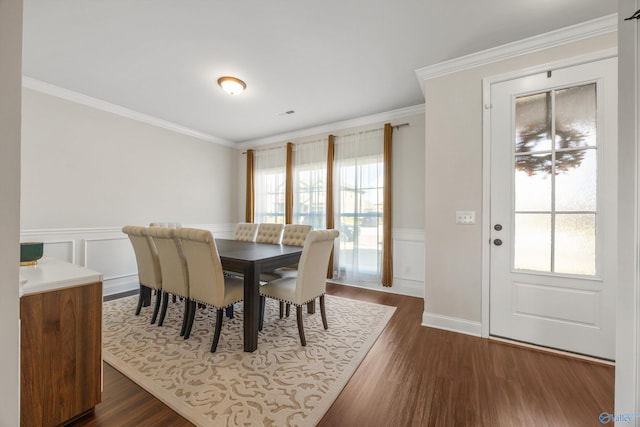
(280, 384)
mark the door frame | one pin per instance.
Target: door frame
(486, 159)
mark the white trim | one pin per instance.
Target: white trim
(572, 61)
(337, 126)
(574, 33)
(486, 207)
(69, 95)
(400, 287)
(486, 161)
(452, 324)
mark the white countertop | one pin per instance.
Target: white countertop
(51, 274)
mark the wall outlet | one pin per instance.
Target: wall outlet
(465, 217)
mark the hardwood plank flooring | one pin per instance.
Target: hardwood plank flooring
(418, 376)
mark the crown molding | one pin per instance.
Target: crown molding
(69, 95)
(337, 126)
(573, 33)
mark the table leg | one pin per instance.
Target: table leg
(251, 307)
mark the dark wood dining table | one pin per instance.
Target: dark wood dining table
(249, 259)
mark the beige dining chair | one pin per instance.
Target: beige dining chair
(149, 274)
(269, 233)
(207, 284)
(173, 267)
(246, 231)
(309, 283)
(293, 235)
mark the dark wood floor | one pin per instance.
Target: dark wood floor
(418, 376)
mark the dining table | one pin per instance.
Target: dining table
(249, 259)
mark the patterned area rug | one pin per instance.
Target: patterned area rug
(280, 384)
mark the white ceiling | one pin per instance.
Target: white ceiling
(329, 60)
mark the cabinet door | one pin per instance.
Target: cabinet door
(60, 354)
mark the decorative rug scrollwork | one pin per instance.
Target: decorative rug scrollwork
(280, 384)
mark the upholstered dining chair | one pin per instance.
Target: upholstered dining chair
(246, 232)
(148, 265)
(309, 283)
(207, 284)
(270, 233)
(293, 235)
(173, 267)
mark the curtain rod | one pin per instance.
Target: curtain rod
(398, 126)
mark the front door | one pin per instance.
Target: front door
(553, 208)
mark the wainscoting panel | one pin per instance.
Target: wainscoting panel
(108, 251)
(408, 262)
(113, 257)
(105, 250)
(61, 249)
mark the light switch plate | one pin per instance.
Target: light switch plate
(466, 217)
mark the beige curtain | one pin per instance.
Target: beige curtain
(249, 203)
(288, 197)
(387, 245)
(330, 222)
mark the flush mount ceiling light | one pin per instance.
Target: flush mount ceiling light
(232, 85)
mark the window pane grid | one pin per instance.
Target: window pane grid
(555, 214)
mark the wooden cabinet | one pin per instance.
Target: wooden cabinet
(60, 354)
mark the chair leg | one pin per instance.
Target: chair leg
(216, 335)
(185, 316)
(303, 341)
(163, 312)
(323, 313)
(156, 308)
(190, 318)
(139, 307)
(288, 308)
(261, 319)
(281, 309)
(229, 312)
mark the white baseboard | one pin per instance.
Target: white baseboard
(452, 324)
(119, 286)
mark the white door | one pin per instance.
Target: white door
(553, 208)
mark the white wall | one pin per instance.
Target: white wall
(628, 304)
(408, 193)
(83, 167)
(10, 82)
(453, 165)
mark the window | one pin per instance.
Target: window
(269, 176)
(358, 204)
(556, 170)
(310, 184)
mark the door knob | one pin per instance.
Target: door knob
(497, 242)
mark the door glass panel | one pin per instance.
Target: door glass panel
(576, 186)
(575, 240)
(532, 248)
(533, 182)
(575, 112)
(555, 185)
(533, 123)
